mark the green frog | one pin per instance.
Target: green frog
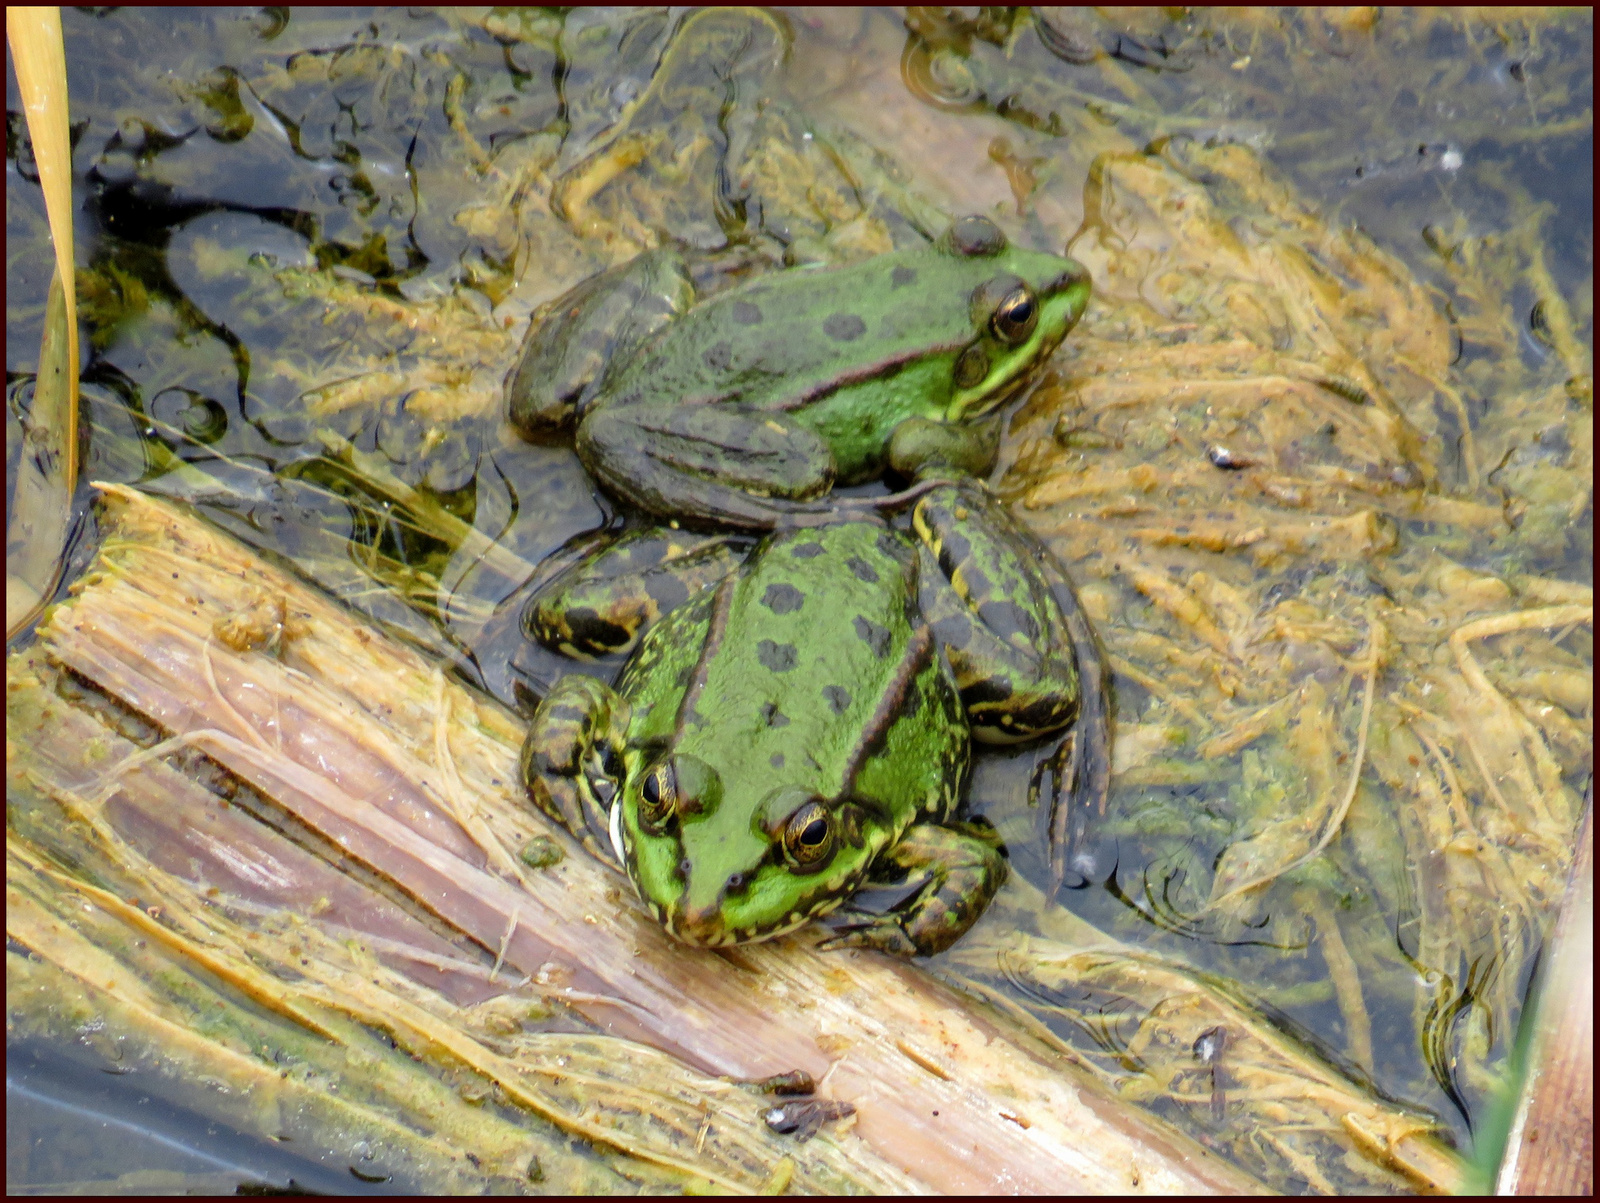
(742, 411)
(803, 729)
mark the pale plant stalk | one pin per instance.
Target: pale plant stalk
(48, 469)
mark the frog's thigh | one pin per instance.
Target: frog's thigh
(710, 463)
(1010, 693)
(604, 604)
(573, 748)
(960, 875)
(599, 323)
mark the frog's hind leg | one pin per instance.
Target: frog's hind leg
(604, 604)
(958, 871)
(572, 759)
(709, 465)
(1024, 654)
(575, 340)
(986, 594)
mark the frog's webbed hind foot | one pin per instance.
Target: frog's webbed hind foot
(571, 760)
(958, 871)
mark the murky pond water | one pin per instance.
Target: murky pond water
(1319, 456)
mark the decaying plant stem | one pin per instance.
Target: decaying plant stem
(338, 729)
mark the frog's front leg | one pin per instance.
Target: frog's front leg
(708, 464)
(958, 873)
(572, 760)
(605, 603)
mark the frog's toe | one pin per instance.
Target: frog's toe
(858, 929)
(568, 764)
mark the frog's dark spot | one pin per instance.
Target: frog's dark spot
(590, 630)
(989, 689)
(875, 637)
(1006, 618)
(777, 760)
(719, 356)
(746, 313)
(890, 545)
(807, 551)
(953, 631)
(954, 549)
(838, 697)
(902, 276)
(773, 717)
(863, 570)
(667, 591)
(844, 327)
(778, 657)
(782, 599)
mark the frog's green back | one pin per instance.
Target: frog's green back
(829, 345)
(819, 646)
(816, 680)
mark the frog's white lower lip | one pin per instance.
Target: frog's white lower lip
(616, 829)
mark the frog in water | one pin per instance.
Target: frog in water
(741, 412)
(803, 729)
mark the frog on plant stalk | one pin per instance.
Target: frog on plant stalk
(803, 729)
(741, 414)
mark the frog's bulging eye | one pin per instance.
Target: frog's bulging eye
(658, 796)
(1015, 316)
(972, 367)
(808, 838)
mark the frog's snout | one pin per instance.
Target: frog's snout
(701, 926)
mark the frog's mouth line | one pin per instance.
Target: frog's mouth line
(730, 937)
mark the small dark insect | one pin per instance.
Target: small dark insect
(1343, 386)
(1228, 461)
(804, 1118)
(1060, 38)
(1208, 1049)
(796, 1081)
(1539, 323)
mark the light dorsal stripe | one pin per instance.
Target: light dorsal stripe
(913, 660)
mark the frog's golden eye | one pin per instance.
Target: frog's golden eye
(808, 838)
(972, 367)
(1015, 316)
(658, 798)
